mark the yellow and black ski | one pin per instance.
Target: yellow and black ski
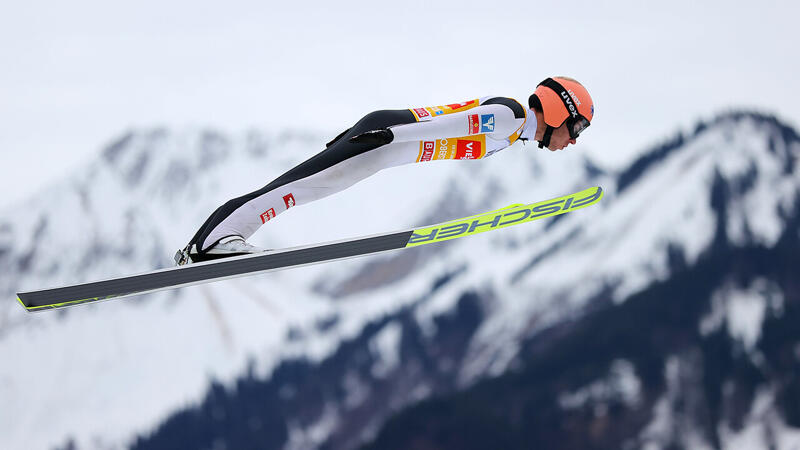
(238, 266)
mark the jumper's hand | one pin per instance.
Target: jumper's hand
(382, 136)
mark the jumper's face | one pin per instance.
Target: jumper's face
(560, 139)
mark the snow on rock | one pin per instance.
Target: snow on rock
(386, 346)
(302, 438)
(743, 311)
(620, 384)
(763, 427)
(669, 427)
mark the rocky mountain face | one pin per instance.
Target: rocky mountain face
(664, 317)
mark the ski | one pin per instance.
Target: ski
(220, 269)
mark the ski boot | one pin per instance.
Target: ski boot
(225, 248)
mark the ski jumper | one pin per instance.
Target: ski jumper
(469, 130)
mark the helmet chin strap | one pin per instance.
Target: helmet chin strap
(545, 142)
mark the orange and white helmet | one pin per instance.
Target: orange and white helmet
(562, 100)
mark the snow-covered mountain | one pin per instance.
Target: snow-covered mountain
(324, 355)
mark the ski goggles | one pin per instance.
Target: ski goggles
(576, 126)
(575, 121)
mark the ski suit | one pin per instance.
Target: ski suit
(472, 129)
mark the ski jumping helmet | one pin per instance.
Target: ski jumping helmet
(562, 100)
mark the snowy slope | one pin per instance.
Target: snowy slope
(122, 366)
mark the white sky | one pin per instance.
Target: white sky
(75, 75)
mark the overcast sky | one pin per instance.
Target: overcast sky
(77, 74)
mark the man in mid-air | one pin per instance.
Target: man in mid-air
(558, 111)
